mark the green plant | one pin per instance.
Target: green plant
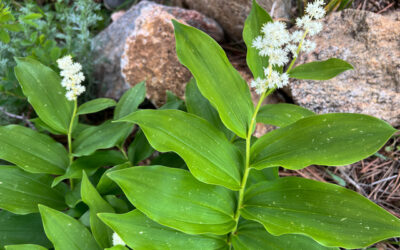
(231, 197)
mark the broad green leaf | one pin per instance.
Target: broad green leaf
(266, 174)
(130, 101)
(330, 214)
(139, 232)
(105, 184)
(32, 16)
(106, 135)
(330, 139)
(25, 247)
(120, 205)
(90, 164)
(169, 159)
(117, 247)
(216, 78)
(32, 151)
(43, 127)
(252, 235)
(209, 155)
(21, 192)
(73, 197)
(282, 114)
(65, 232)
(252, 29)
(42, 86)
(174, 198)
(90, 196)
(4, 36)
(140, 148)
(95, 105)
(173, 102)
(320, 70)
(21, 229)
(198, 105)
(14, 27)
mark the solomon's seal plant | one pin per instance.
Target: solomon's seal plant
(226, 193)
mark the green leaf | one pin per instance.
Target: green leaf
(198, 105)
(330, 214)
(216, 78)
(252, 235)
(320, 70)
(90, 164)
(14, 27)
(106, 135)
(330, 139)
(90, 196)
(43, 127)
(4, 36)
(95, 105)
(139, 232)
(21, 229)
(42, 86)
(209, 155)
(65, 232)
(252, 29)
(32, 16)
(25, 247)
(32, 151)
(21, 192)
(173, 102)
(130, 101)
(106, 185)
(140, 148)
(120, 205)
(266, 174)
(282, 114)
(174, 198)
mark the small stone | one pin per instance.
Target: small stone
(368, 41)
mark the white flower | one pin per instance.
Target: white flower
(308, 46)
(314, 27)
(260, 85)
(296, 36)
(292, 48)
(303, 21)
(276, 79)
(275, 34)
(117, 240)
(278, 57)
(315, 9)
(258, 42)
(72, 77)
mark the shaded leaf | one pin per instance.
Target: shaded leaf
(95, 105)
(320, 70)
(105, 184)
(330, 214)
(174, 198)
(330, 139)
(208, 154)
(216, 78)
(282, 114)
(21, 192)
(140, 148)
(32, 151)
(65, 232)
(130, 101)
(25, 247)
(42, 86)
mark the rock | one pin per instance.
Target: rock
(370, 42)
(142, 41)
(116, 15)
(231, 14)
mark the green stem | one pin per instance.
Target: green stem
(123, 151)
(247, 163)
(297, 51)
(71, 125)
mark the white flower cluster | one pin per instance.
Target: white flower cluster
(72, 77)
(276, 43)
(117, 240)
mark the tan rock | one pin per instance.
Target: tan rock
(371, 43)
(231, 14)
(144, 34)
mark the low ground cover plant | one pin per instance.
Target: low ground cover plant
(213, 185)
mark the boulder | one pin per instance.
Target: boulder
(370, 42)
(140, 46)
(231, 14)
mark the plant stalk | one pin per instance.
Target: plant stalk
(297, 51)
(71, 125)
(247, 164)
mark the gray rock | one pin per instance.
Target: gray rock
(371, 43)
(110, 44)
(231, 14)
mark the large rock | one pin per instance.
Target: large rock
(231, 14)
(371, 43)
(142, 41)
